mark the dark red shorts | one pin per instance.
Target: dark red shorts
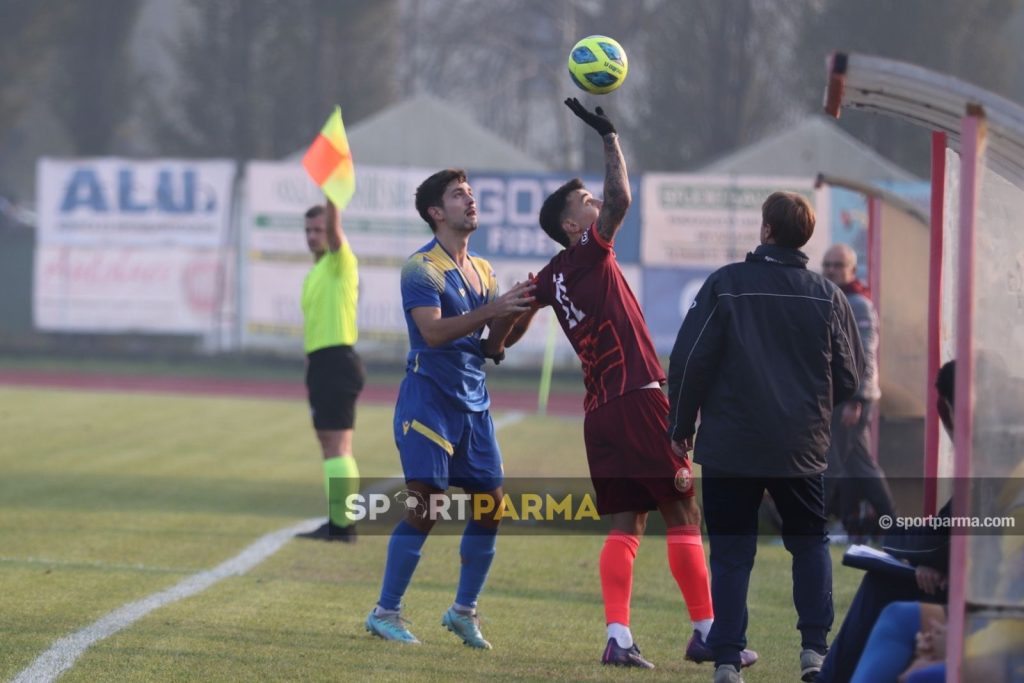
(632, 465)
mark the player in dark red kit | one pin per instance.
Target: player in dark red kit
(632, 465)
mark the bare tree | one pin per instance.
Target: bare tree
(27, 29)
(974, 41)
(505, 63)
(705, 76)
(95, 86)
(258, 77)
(717, 75)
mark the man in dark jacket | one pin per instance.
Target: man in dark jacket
(765, 352)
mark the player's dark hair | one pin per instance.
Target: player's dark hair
(315, 210)
(431, 192)
(944, 381)
(552, 213)
(791, 218)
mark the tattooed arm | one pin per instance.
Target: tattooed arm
(616, 180)
(616, 189)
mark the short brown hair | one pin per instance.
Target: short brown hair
(431, 192)
(552, 212)
(315, 210)
(791, 218)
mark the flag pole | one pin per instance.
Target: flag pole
(547, 367)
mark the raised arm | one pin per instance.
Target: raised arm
(335, 235)
(617, 195)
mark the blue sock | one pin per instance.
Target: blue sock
(477, 552)
(890, 647)
(403, 556)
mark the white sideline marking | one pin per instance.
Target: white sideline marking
(62, 655)
(508, 419)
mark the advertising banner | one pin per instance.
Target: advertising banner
(695, 224)
(381, 225)
(669, 293)
(380, 222)
(126, 202)
(850, 224)
(383, 228)
(121, 289)
(275, 313)
(849, 215)
(693, 221)
(509, 205)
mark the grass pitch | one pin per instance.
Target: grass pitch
(107, 498)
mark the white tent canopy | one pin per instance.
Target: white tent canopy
(424, 132)
(814, 145)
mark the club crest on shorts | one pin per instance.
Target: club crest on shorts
(405, 427)
(683, 480)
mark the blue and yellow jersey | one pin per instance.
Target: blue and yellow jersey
(330, 294)
(430, 278)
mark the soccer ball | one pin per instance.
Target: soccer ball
(598, 64)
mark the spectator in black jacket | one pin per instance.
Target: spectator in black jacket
(764, 353)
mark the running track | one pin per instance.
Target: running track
(562, 404)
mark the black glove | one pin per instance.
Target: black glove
(596, 119)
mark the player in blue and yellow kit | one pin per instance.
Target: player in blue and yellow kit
(443, 429)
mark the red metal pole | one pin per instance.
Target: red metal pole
(972, 143)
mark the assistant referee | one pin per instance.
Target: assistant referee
(334, 372)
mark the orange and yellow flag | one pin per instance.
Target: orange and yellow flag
(329, 161)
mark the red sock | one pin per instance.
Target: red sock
(686, 560)
(617, 575)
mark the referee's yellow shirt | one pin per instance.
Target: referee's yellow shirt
(330, 295)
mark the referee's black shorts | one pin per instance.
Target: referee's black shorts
(334, 378)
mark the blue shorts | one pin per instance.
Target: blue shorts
(442, 446)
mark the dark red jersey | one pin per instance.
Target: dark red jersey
(601, 317)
